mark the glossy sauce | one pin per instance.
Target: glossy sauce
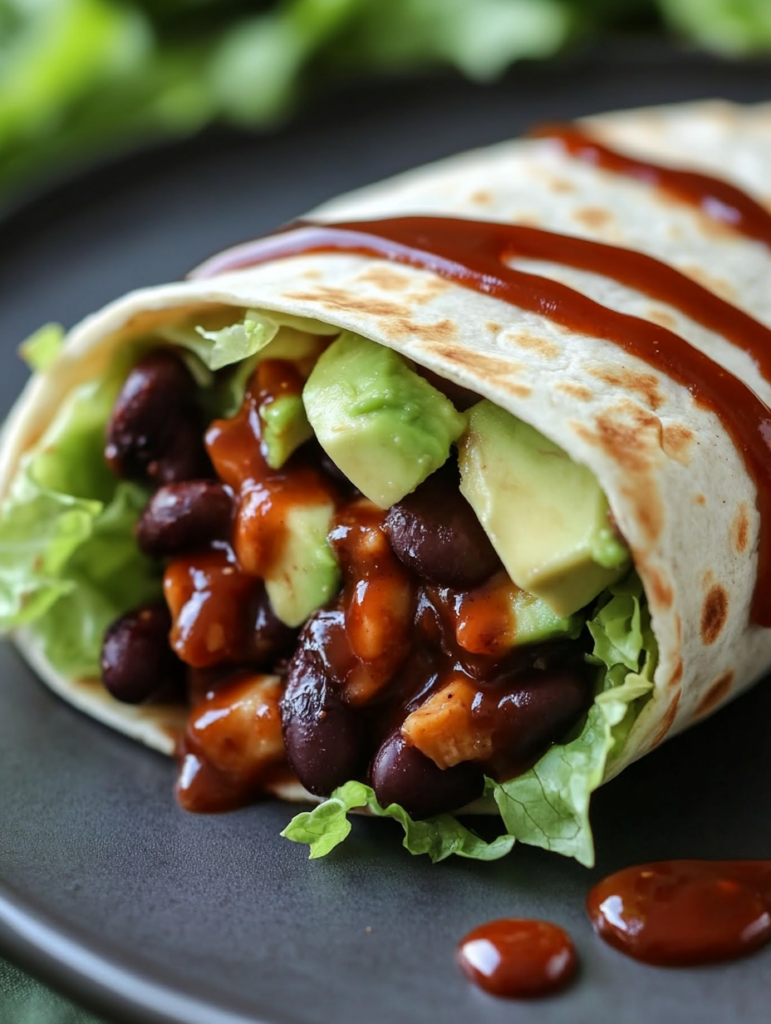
(210, 601)
(718, 199)
(518, 959)
(687, 912)
(473, 254)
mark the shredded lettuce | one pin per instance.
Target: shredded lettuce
(41, 349)
(230, 344)
(327, 825)
(69, 563)
(548, 806)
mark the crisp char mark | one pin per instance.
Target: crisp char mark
(473, 254)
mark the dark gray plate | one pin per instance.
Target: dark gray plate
(111, 893)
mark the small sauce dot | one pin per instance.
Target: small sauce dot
(683, 913)
(518, 959)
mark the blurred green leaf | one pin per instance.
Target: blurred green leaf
(80, 76)
(728, 26)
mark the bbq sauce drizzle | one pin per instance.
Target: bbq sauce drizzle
(718, 199)
(473, 254)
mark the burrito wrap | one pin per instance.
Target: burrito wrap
(676, 484)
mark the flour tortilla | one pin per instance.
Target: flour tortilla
(676, 485)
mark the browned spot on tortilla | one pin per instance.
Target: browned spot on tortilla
(493, 327)
(484, 367)
(668, 720)
(718, 285)
(311, 275)
(339, 298)
(386, 278)
(579, 391)
(443, 330)
(482, 198)
(429, 289)
(676, 441)
(646, 385)
(534, 343)
(594, 217)
(740, 528)
(700, 499)
(659, 588)
(679, 630)
(716, 694)
(677, 675)
(714, 613)
(560, 185)
(632, 437)
(661, 317)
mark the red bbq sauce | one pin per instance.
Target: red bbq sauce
(518, 959)
(681, 913)
(473, 254)
(718, 199)
(232, 745)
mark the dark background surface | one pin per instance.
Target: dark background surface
(110, 892)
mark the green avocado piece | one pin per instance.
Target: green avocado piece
(381, 423)
(545, 515)
(306, 574)
(284, 428)
(534, 621)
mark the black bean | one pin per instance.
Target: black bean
(271, 637)
(185, 516)
(531, 711)
(137, 662)
(325, 738)
(400, 774)
(435, 532)
(155, 433)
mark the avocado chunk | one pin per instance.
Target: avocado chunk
(500, 615)
(545, 515)
(284, 428)
(534, 621)
(306, 574)
(384, 426)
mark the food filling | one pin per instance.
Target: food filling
(355, 574)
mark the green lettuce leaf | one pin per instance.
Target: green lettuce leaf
(69, 564)
(41, 349)
(327, 825)
(548, 806)
(226, 345)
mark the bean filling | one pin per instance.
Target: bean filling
(404, 678)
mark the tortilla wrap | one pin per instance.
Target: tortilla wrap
(676, 484)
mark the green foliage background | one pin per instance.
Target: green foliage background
(79, 76)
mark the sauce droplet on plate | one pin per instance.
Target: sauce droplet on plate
(681, 913)
(518, 959)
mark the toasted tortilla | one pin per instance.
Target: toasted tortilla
(675, 482)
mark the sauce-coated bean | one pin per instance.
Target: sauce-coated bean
(435, 532)
(184, 516)
(137, 663)
(325, 738)
(401, 774)
(155, 433)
